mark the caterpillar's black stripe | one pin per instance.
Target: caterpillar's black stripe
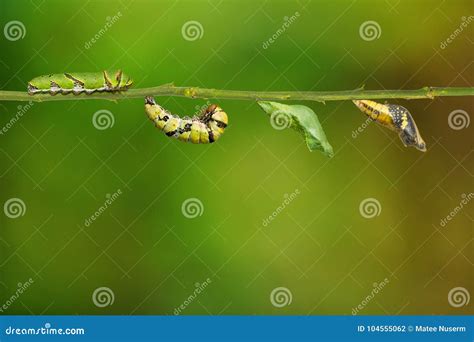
(211, 135)
(202, 129)
(221, 124)
(187, 128)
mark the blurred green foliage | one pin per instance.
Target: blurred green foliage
(319, 246)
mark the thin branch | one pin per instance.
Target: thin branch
(193, 92)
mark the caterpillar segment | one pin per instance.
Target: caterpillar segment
(203, 129)
(77, 83)
(396, 118)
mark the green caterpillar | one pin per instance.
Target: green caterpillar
(81, 82)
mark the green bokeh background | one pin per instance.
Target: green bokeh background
(320, 247)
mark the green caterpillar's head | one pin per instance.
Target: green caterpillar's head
(118, 80)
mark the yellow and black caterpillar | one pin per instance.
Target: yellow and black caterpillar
(203, 129)
(396, 118)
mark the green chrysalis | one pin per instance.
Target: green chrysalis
(81, 82)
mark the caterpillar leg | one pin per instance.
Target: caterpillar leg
(78, 85)
(54, 88)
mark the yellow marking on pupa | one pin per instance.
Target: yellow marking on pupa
(404, 121)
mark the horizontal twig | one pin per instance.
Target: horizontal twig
(193, 92)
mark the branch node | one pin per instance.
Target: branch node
(190, 92)
(429, 93)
